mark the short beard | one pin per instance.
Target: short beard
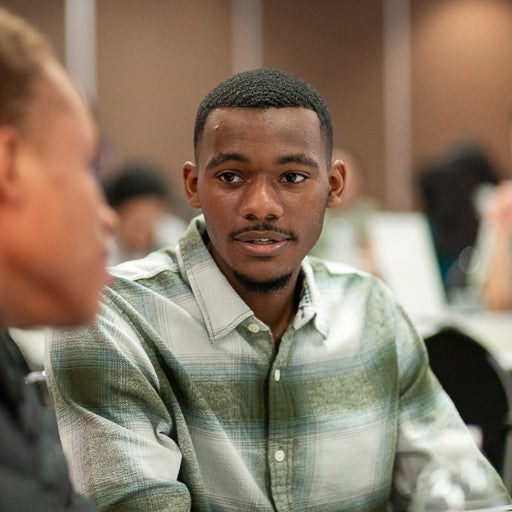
(263, 287)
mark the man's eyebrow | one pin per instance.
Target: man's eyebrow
(224, 157)
(297, 158)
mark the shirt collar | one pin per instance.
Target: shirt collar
(222, 308)
(311, 305)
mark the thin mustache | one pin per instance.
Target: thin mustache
(263, 227)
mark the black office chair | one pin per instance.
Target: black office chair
(480, 389)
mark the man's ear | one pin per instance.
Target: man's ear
(190, 180)
(337, 176)
(9, 175)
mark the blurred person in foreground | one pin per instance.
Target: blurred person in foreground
(235, 372)
(54, 226)
(145, 223)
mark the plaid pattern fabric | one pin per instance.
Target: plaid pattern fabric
(176, 398)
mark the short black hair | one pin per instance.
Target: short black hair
(262, 89)
(134, 180)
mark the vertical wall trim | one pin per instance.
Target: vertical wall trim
(397, 104)
(80, 34)
(246, 34)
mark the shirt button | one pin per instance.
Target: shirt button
(277, 375)
(254, 328)
(279, 456)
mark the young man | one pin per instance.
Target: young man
(55, 227)
(235, 373)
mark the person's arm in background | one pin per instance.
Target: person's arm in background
(497, 276)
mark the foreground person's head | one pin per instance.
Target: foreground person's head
(53, 219)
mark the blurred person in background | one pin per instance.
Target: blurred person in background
(55, 226)
(140, 197)
(452, 191)
(344, 236)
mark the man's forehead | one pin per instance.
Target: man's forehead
(229, 129)
(235, 122)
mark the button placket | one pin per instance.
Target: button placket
(281, 426)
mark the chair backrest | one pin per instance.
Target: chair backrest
(480, 389)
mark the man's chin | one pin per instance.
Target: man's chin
(264, 286)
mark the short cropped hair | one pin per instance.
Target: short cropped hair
(23, 54)
(262, 89)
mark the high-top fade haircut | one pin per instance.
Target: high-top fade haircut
(262, 89)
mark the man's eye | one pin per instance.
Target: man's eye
(294, 177)
(229, 177)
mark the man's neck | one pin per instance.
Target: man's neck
(276, 309)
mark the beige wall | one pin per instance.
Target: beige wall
(154, 66)
(337, 46)
(157, 58)
(462, 75)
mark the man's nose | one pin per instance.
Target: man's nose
(261, 200)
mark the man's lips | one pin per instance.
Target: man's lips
(262, 237)
(263, 241)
